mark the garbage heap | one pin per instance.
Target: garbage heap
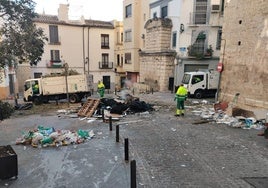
(230, 116)
(48, 136)
(121, 106)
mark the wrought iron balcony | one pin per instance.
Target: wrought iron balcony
(105, 65)
(54, 64)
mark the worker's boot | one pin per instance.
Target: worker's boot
(178, 112)
(182, 112)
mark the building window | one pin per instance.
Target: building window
(122, 59)
(55, 55)
(118, 59)
(154, 15)
(122, 39)
(222, 6)
(219, 35)
(105, 60)
(127, 58)
(199, 45)
(128, 11)
(128, 36)
(53, 34)
(174, 39)
(200, 15)
(37, 74)
(104, 41)
(164, 12)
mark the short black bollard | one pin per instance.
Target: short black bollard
(102, 113)
(126, 150)
(152, 90)
(117, 133)
(110, 123)
(133, 183)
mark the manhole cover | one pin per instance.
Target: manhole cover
(257, 182)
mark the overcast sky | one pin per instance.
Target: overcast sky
(105, 10)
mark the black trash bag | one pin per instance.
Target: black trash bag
(140, 106)
(25, 106)
(119, 108)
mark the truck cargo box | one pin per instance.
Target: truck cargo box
(57, 85)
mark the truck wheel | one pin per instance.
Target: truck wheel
(73, 98)
(37, 101)
(198, 94)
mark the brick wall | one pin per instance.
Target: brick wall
(245, 57)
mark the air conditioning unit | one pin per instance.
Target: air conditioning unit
(215, 8)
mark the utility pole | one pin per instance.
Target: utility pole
(66, 67)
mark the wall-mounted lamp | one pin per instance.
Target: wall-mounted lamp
(181, 28)
(179, 62)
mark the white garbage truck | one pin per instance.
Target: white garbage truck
(44, 89)
(201, 83)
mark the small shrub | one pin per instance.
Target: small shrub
(5, 110)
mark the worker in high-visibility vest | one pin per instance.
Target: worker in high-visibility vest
(101, 89)
(35, 88)
(181, 96)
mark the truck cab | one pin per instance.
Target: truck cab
(32, 88)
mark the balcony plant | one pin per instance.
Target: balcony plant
(209, 51)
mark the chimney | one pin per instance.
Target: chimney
(63, 12)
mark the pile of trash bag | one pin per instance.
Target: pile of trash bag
(130, 106)
(48, 136)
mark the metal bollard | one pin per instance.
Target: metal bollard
(126, 150)
(133, 183)
(110, 123)
(117, 133)
(152, 90)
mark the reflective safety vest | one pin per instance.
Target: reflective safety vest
(181, 93)
(101, 85)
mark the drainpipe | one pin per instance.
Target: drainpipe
(218, 88)
(83, 38)
(88, 50)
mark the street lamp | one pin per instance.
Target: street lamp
(66, 67)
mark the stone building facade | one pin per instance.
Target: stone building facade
(157, 59)
(245, 54)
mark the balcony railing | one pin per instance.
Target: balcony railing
(54, 64)
(198, 18)
(105, 65)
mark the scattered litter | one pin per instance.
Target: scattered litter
(48, 136)
(220, 116)
(173, 129)
(195, 102)
(183, 165)
(91, 120)
(127, 122)
(204, 102)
